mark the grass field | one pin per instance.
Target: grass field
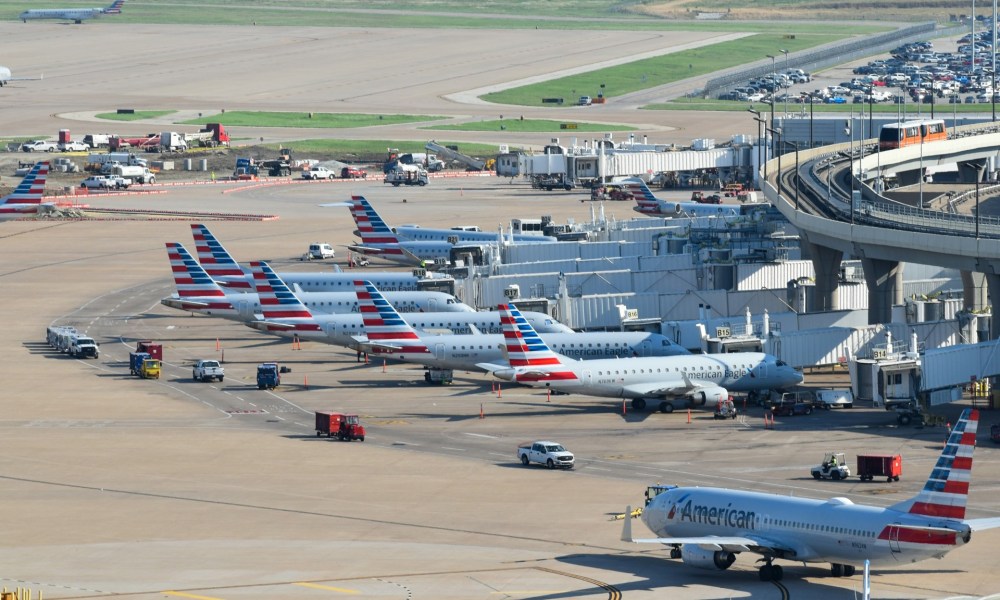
(135, 116)
(530, 125)
(656, 71)
(444, 14)
(316, 120)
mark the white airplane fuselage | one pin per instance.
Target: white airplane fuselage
(421, 234)
(465, 352)
(828, 531)
(245, 306)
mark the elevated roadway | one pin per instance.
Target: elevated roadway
(828, 194)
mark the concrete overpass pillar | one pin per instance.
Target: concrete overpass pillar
(885, 288)
(971, 171)
(974, 292)
(993, 284)
(826, 263)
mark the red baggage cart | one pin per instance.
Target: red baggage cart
(889, 466)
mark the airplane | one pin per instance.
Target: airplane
(708, 527)
(197, 293)
(77, 15)
(696, 379)
(378, 240)
(26, 199)
(6, 77)
(391, 337)
(223, 268)
(648, 204)
(285, 315)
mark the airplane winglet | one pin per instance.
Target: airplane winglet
(475, 330)
(627, 527)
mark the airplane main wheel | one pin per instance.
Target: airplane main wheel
(675, 553)
(766, 573)
(666, 407)
(837, 570)
(848, 570)
(777, 573)
(639, 404)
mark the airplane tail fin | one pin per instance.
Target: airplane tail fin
(191, 280)
(947, 489)
(524, 346)
(645, 201)
(114, 8)
(31, 190)
(216, 261)
(277, 301)
(371, 227)
(383, 325)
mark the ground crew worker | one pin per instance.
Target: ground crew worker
(833, 462)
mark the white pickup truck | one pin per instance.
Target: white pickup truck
(207, 370)
(550, 454)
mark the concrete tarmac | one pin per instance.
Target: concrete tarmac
(115, 486)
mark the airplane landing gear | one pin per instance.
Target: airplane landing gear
(675, 553)
(769, 572)
(838, 570)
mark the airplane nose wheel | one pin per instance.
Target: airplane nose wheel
(769, 572)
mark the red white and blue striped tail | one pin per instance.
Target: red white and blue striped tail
(277, 301)
(115, 8)
(191, 280)
(383, 325)
(216, 261)
(371, 227)
(644, 198)
(524, 346)
(31, 190)
(947, 489)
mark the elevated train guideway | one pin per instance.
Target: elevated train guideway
(814, 188)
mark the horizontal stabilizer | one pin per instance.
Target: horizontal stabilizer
(983, 524)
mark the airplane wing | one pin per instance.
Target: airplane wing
(983, 524)
(668, 387)
(367, 250)
(491, 367)
(369, 346)
(269, 325)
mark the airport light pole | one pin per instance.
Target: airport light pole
(850, 172)
(774, 82)
(761, 123)
(785, 52)
(760, 137)
(777, 135)
(923, 132)
(796, 147)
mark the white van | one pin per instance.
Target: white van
(321, 251)
(835, 398)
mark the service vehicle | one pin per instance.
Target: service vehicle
(585, 101)
(154, 350)
(268, 376)
(54, 335)
(98, 182)
(843, 398)
(316, 173)
(72, 146)
(338, 425)
(83, 346)
(725, 409)
(39, 146)
(550, 454)
(134, 173)
(431, 162)
(321, 251)
(871, 466)
(97, 140)
(406, 175)
(144, 365)
(703, 198)
(96, 161)
(207, 370)
(350, 172)
(834, 466)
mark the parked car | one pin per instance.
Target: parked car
(39, 146)
(353, 173)
(585, 101)
(789, 409)
(74, 147)
(318, 173)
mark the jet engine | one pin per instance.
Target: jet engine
(700, 558)
(701, 396)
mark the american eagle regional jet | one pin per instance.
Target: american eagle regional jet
(26, 199)
(707, 527)
(648, 204)
(77, 15)
(669, 382)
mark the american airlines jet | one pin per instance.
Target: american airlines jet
(6, 77)
(197, 293)
(285, 315)
(708, 527)
(77, 15)
(223, 268)
(648, 204)
(670, 382)
(26, 199)
(391, 337)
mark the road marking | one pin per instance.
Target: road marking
(455, 449)
(328, 587)
(184, 595)
(483, 435)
